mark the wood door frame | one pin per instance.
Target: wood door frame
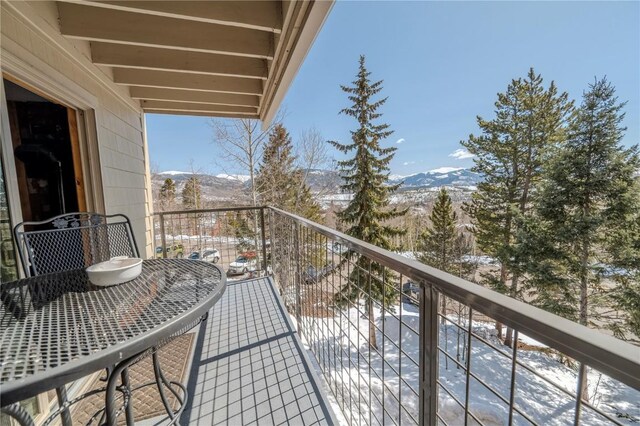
(74, 141)
(84, 144)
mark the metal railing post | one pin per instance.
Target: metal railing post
(296, 248)
(163, 238)
(428, 355)
(264, 242)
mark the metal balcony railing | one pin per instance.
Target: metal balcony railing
(423, 349)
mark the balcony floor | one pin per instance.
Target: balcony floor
(249, 365)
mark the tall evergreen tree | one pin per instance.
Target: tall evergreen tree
(192, 194)
(586, 210)
(436, 246)
(366, 175)
(587, 207)
(441, 245)
(167, 193)
(279, 182)
(509, 154)
(626, 263)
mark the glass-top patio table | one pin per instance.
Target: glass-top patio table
(59, 327)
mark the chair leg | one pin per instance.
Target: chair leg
(124, 376)
(161, 382)
(18, 413)
(65, 415)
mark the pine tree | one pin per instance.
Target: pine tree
(279, 182)
(436, 247)
(509, 154)
(586, 208)
(441, 245)
(192, 194)
(245, 236)
(588, 204)
(167, 193)
(366, 175)
(626, 267)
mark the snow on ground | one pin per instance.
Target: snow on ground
(351, 368)
(480, 260)
(408, 254)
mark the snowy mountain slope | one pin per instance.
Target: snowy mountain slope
(443, 176)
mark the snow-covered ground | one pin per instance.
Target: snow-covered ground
(341, 347)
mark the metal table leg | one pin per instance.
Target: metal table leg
(61, 392)
(120, 371)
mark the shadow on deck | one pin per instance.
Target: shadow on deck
(249, 365)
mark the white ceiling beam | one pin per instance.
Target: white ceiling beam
(201, 114)
(205, 108)
(263, 15)
(191, 82)
(115, 26)
(152, 58)
(231, 99)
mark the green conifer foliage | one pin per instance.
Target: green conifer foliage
(437, 242)
(587, 213)
(529, 123)
(279, 182)
(192, 194)
(167, 192)
(365, 175)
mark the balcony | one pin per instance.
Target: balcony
(437, 359)
(280, 347)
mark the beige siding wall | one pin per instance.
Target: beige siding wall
(30, 34)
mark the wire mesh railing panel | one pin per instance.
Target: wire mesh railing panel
(399, 343)
(231, 238)
(353, 337)
(392, 355)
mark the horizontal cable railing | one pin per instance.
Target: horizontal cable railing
(399, 342)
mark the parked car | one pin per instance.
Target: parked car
(411, 293)
(207, 255)
(176, 250)
(312, 274)
(244, 263)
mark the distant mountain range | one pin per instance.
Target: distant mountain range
(224, 187)
(443, 176)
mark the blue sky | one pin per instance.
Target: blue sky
(442, 64)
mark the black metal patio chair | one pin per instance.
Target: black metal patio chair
(76, 241)
(73, 241)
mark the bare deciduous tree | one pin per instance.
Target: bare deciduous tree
(312, 154)
(240, 142)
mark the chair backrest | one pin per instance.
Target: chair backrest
(73, 241)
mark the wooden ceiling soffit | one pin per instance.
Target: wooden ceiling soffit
(194, 82)
(191, 96)
(186, 106)
(139, 29)
(152, 58)
(263, 15)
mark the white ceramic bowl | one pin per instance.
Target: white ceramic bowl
(118, 270)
